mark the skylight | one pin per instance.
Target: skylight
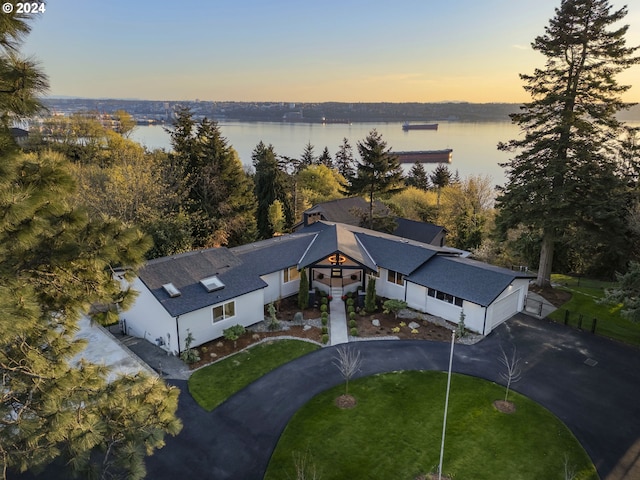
(212, 283)
(171, 290)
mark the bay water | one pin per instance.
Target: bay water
(474, 144)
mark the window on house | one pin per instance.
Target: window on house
(395, 277)
(445, 297)
(224, 311)
(291, 274)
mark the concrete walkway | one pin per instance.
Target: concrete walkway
(338, 331)
(538, 306)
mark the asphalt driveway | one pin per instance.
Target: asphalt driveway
(592, 384)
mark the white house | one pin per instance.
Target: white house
(207, 291)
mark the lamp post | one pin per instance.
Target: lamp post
(446, 405)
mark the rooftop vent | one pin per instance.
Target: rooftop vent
(171, 290)
(212, 283)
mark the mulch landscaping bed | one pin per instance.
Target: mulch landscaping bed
(286, 310)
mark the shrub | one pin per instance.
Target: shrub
(352, 323)
(298, 317)
(325, 329)
(324, 321)
(303, 293)
(353, 332)
(324, 300)
(234, 333)
(350, 302)
(274, 324)
(352, 315)
(351, 308)
(325, 338)
(370, 298)
(349, 294)
(394, 306)
(323, 308)
(189, 355)
(461, 330)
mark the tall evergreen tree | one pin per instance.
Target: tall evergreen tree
(344, 159)
(418, 177)
(56, 264)
(325, 158)
(270, 185)
(378, 173)
(564, 174)
(219, 193)
(308, 157)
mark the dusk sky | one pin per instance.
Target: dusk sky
(298, 50)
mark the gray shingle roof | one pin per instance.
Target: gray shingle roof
(471, 280)
(185, 272)
(420, 231)
(342, 209)
(275, 253)
(331, 238)
(394, 254)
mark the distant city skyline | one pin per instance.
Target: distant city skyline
(298, 51)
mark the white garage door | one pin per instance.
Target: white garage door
(504, 309)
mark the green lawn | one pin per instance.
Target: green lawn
(212, 385)
(395, 430)
(584, 301)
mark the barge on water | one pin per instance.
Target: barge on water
(425, 156)
(419, 126)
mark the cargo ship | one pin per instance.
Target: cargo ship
(425, 156)
(419, 126)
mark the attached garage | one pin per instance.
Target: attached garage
(488, 295)
(504, 309)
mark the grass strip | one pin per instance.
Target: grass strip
(212, 385)
(584, 301)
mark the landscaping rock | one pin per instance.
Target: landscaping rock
(414, 326)
(375, 322)
(306, 327)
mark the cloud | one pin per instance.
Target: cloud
(521, 47)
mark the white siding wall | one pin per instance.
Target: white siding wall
(149, 320)
(277, 288)
(289, 288)
(249, 309)
(474, 316)
(386, 289)
(417, 297)
(272, 292)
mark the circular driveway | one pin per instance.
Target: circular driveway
(592, 384)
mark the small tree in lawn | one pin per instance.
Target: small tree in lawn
(394, 306)
(512, 372)
(370, 297)
(303, 293)
(348, 362)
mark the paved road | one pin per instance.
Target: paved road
(599, 403)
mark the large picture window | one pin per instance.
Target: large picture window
(395, 277)
(224, 311)
(291, 274)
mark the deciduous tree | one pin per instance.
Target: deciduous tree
(565, 170)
